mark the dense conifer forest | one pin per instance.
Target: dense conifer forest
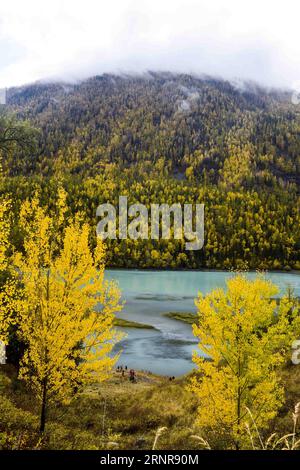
(170, 138)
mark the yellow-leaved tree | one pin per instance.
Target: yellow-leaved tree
(66, 308)
(8, 278)
(247, 335)
(4, 234)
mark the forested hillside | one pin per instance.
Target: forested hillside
(204, 125)
(169, 138)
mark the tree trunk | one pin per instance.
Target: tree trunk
(44, 407)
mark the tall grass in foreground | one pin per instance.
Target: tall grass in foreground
(159, 432)
(273, 442)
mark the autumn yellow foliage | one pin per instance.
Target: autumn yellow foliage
(246, 336)
(66, 307)
(8, 277)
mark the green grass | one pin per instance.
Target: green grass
(131, 324)
(118, 414)
(115, 414)
(186, 317)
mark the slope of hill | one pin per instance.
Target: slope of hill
(215, 129)
(169, 138)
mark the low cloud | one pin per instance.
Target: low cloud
(71, 39)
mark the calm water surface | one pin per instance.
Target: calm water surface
(167, 349)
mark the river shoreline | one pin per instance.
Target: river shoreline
(204, 270)
(164, 299)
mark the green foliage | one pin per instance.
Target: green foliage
(18, 144)
(131, 324)
(186, 317)
(129, 120)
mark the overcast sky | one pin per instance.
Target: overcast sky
(71, 39)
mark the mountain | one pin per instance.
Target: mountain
(238, 133)
(167, 138)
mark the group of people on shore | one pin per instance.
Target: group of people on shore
(131, 373)
(124, 371)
